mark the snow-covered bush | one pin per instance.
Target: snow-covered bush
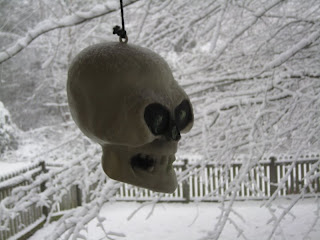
(8, 131)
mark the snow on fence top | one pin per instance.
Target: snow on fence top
(14, 169)
(279, 158)
(16, 180)
(21, 168)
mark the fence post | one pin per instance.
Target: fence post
(273, 175)
(79, 196)
(45, 210)
(185, 183)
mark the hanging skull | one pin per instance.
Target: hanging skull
(125, 98)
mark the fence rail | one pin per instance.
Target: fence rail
(211, 182)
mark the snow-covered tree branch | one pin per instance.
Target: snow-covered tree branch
(52, 24)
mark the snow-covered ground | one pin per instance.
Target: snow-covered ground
(193, 221)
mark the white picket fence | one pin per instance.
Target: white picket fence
(212, 182)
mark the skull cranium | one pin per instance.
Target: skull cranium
(125, 98)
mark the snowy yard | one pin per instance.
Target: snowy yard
(174, 221)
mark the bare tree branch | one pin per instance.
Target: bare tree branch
(283, 57)
(52, 24)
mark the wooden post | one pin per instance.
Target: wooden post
(185, 184)
(273, 175)
(297, 180)
(45, 210)
(79, 196)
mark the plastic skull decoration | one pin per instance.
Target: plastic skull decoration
(125, 98)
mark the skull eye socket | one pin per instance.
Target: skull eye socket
(157, 118)
(182, 114)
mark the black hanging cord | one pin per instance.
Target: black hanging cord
(121, 32)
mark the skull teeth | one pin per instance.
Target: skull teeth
(150, 163)
(143, 161)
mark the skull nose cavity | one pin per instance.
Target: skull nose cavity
(173, 133)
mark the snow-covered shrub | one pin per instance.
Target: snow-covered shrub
(8, 131)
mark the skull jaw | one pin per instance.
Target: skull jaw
(117, 164)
